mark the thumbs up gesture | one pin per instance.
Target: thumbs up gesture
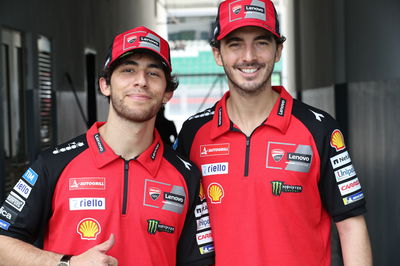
(97, 255)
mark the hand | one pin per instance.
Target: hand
(96, 256)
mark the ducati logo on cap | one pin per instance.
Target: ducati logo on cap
(131, 39)
(237, 9)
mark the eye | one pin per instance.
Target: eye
(153, 74)
(263, 43)
(128, 70)
(234, 44)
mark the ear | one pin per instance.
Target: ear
(167, 96)
(217, 56)
(278, 53)
(104, 87)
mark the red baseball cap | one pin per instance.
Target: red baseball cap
(139, 38)
(233, 14)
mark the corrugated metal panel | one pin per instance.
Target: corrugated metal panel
(46, 94)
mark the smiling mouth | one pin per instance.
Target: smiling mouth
(140, 97)
(248, 70)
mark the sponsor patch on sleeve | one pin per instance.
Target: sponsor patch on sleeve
(201, 209)
(345, 173)
(203, 223)
(353, 198)
(23, 189)
(349, 186)
(207, 249)
(8, 214)
(340, 159)
(204, 237)
(4, 225)
(30, 176)
(337, 140)
(15, 201)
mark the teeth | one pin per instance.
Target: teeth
(248, 70)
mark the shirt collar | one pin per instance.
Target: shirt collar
(151, 158)
(102, 154)
(279, 117)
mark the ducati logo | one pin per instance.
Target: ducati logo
(131, 39)
(277, 154)
(154, 193)
(236, 9)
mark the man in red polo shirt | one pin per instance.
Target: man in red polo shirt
(275, 170)
(117, 194)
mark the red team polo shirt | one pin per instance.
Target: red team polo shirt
(271, 195)
(81, 192)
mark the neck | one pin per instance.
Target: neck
(127, 139)
(248, 111)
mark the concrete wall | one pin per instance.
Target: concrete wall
(348, 57)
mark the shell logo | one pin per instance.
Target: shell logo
(337, 140)
(215, 193)
(88, 229)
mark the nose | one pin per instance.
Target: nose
(140, 79)
(249, 54)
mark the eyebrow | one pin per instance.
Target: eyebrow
(134, 63)
(260, 37)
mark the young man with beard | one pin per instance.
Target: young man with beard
(275, 170)
(117, 194)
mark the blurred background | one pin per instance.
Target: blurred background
(340, 55)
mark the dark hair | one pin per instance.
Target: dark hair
(172, 80)
(217, 44)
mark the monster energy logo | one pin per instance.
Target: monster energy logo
(278, 187)
(154, 226)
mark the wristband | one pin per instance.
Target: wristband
(64, 261)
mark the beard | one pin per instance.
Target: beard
(131, 113)
(250, 87)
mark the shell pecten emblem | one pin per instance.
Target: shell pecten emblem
(88, 229)
(337, 140)
(215, 193)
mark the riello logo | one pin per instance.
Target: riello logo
(215, 169)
